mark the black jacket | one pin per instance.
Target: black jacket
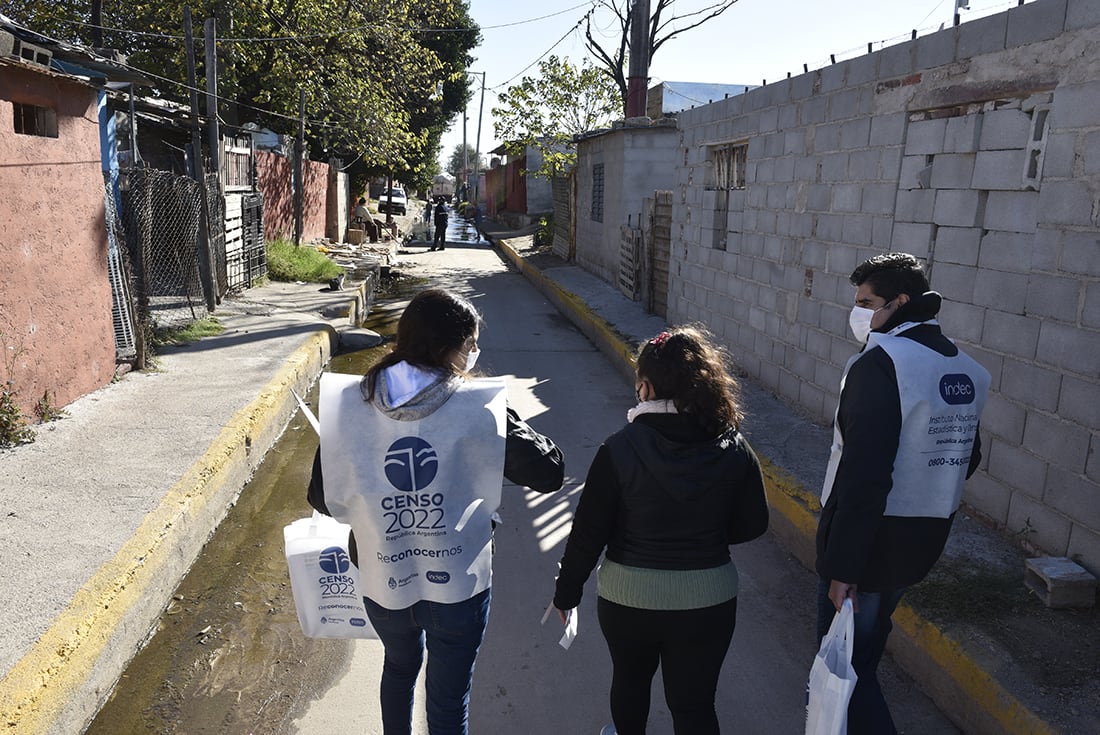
(856, 542)
(663, 494)
(530, 459)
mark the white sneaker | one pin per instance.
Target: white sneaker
(608, 730)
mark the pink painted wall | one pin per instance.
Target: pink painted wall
(274, 175)
(56, 332)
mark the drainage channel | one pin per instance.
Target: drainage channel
(227, 656)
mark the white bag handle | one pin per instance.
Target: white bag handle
(843, 629)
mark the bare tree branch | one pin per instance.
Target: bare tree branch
(613, 63)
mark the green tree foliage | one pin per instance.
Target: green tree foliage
(382, 78)
(459, 159)
(664, 25)
(545, 112)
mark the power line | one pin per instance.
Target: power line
(544, 53)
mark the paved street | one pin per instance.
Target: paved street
(524, 681)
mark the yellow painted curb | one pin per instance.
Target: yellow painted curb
(798, 506)
(36, 694)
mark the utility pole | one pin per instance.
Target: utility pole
(206, 272)
(210, 30)
(638, 73)
(299, 151)
(477, 144)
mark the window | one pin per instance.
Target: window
(597, 192)
(32, 120)
(728, 166)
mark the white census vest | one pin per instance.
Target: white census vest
(419, 495)
(941, 402)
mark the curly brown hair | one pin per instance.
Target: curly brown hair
(685, 366)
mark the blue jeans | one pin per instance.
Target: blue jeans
(868, 713)
(453, 633)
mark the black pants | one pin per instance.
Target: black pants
(689, 645)
(440, 234)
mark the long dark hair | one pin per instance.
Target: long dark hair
(434, 324)
(684, 366)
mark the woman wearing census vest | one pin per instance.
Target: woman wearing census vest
(666, 496)
(411, 457)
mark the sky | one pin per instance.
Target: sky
(752, 41)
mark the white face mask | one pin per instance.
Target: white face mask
(860, 321)
(471, 358)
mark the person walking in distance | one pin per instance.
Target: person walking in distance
(905, 440)
(411, 456)
(440, 241)
(666, 496)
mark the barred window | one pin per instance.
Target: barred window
(597, 192)
(33, 120)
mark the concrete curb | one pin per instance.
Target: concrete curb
(60, 684)
(972, 697)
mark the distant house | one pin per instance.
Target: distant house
(512, 187)
(57, 331)
(668, 98)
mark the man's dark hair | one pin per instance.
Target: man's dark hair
(891, 274)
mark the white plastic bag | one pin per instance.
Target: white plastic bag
(324, 581)
(832, 677)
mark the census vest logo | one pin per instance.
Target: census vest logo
(334, 560)
(957, 389)
(438, 577)
(411, 464)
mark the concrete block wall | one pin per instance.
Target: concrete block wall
(637, 161)
(978, 150)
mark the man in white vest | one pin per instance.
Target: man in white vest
(905, 440)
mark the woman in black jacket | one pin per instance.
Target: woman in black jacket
(666, 496)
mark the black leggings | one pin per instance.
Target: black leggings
(690, 646)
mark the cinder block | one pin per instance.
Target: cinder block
(834, 167)
(1066, 345)
(1002, 170)
(1053, 297)
(1005, 418)
(832, 77)
(1043, 526)
(897, 60)
(1060, 582)
(857, 229)
(847, 197)
(952, 170)
(827, 138)
(1081, 252)
(855, 133)
(1076, 106)
(1012, 211)
(1066, 203)
(958, 207)
(843, 105)
(982, 36)
(1080, 402)
(1035, 22)
(1004, 129)
(936, 49)
(1017, 467)
(1091, 315)
(794, 142)
(959, 245)
(879, 198)
(988, 495)
(1082, 14)
(962, 321)
(1011, 334)
(915, 238)
(916, 206)
(1006, 292)
(911, 169)
(861, 69)
(1036, 385)
(888, 129)
(962, 134)
(812, 110)
(925, 137)
(1006, 251)
(882, 233)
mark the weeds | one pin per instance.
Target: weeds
(13, 424)
(46, 411)
(285, 262)
(193, 332)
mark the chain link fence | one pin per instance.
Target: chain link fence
(161, 215)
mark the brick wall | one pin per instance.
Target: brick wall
(56, 332)
(274, 174)
(977, 149)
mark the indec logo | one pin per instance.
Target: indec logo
(334, 560)
(411, 464)
(957, 389)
